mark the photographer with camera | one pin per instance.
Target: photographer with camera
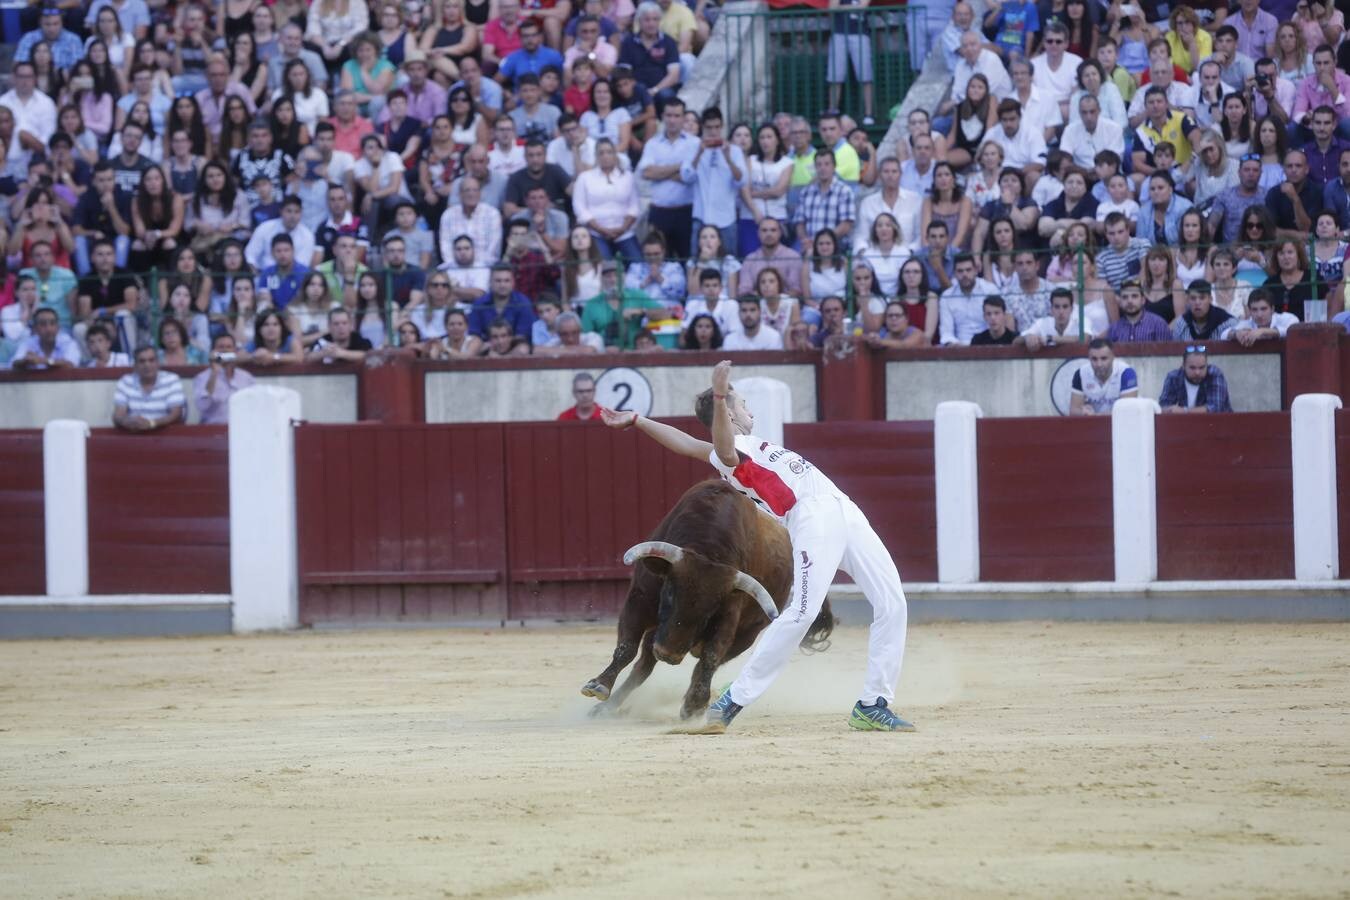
(213, 387)
(1272, 94)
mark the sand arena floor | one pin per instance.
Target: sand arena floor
(1053, 760)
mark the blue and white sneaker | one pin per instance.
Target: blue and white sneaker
(722, 711)
(877, 717)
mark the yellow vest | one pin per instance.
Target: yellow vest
(803, 169)
(1171, 132)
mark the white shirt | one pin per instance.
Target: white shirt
(1039, 111)
(907, 209)
(37, 115)
(1101, 396)
(1025, 148)
(1084, 146)
(1058, 84)
(605, 199)
(765, 339)
(726, 315)
(1280, 322)
(886, 266)
(258, 253)
(560, 154)
(1097, 323)
(991, 67)
(506, 162)
(774, 477)
(483, 226)
(961, 315)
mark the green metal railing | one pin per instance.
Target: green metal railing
(780, 59)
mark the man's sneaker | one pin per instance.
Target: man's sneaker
(877, 717)
(722, 711)
(868, 121)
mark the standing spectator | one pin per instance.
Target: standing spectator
(502, 301)
(583, 392)
(653, 56)
(605, 200)
(717, 171)
(213, 387)
(664, 158)
(961, 310)
(850, 44)
(826, 203)
(48, 347)
(472, 217)
(753, 333)
(1136, 324)
(1101, 381)
(148, 398)
(1196, 387)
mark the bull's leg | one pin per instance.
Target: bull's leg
(646, 662)
(715, 648)
(632, 627)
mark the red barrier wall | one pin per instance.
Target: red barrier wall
(1343, 486)
(1225, 504)
(22, 530)
(401, 522)
(159, 512)
(1045, 499)
(887, 468)
(579, 495)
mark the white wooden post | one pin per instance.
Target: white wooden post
(958, 492)
(65, 499)
(1134, 489)
(1312, 431)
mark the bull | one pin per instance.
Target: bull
(710, 578)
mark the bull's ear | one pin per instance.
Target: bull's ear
(656, 565)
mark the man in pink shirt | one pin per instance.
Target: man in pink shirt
(1326, 86)
(348, 127)
(212, 98)
(501, 36)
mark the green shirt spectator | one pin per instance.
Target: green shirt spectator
(615, 313)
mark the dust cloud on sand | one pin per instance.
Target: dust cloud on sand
(1067, 760)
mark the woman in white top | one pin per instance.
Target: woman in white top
(307, 314)
(467, 125)
(1189, 253)
(1214, 170)
(1091, 81)
(121, 45)
(884, 253)
(310, 104)
(780, 312)
(1230, 292)
(918, 123)
(603, 122)
(581, 267)
(770, 178)
(1291, 53)
(605, 199)
(983, 185)
(713, 255)
(333, 24)
(823, 272)
(1271, 141)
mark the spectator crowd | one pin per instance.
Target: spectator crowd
(282, 182)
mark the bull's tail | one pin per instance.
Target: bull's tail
(817, 637)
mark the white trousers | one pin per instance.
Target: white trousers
(828, 534)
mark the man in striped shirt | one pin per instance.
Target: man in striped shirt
(148, 399)
(1124, 255)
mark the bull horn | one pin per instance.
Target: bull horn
(752, 587)
(667, 551)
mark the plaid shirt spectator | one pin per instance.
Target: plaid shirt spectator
(1150, 327)
(67, 49)
(483, 226)
(1212, 393)
(826, 208)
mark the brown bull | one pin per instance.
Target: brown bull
(705, 584)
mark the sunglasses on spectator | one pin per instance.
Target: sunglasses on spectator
(1251, 157)
(1196, 348)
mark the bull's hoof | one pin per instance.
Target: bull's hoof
(688, 712)
(595, 689)
(606, 710)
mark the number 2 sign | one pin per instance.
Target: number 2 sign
(622, 389)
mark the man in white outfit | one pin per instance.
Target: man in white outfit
(828, 533)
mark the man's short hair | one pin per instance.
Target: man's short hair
(711, 114)
(142, 348)
(703, 403)
(996, 302)
(48, 311)
(1131, 283)
(1061, 292)
(582, 378)
(1009, 106)
(98, 328)
(502, 267)
(963, 258)
(1116, 218)
(282, 238)
(324, 128)
(1099, 343)
(527, 78)
(292, 200)
(393, 238)
(709, 275)
(337, 311)
(1155, 91)
(1107, 157)
(938, 224)
(1260, 295)
(1226, 31)
(1199, 286)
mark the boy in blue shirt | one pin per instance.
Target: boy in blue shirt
(1013, 23)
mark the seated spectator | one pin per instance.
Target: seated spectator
(1028, 296)
(102, 213)
(273, 342)
(1076, 204)
(148, 398)
(772, 254)
(530, 59)
(583, 392)
(961, 310)
(544, 333)
(340, 221)
(1263, 322)
(56, 285)
(1060, 327)
(1295, 203)
(1136, 324)
(570, 339)
(712, 302)
(1014, 25)
(369, 76)
(652, 55)
(974, 58)
(916, 172)
(538, 173)
(996, 324)
(904, 205)
(835, 331)
(1012, 204)
(341, 342)
(98, 341)
(1324, 150)
(753, 334)
(656, 276)
(349, 127)
(502, 342)
(703, 333)
(1040, 113)
(343, 272)
(334, 24)
(470, 216)
(1289, 285)
(1202, 320)
(897, 332)
(1230, 206)
(467, 280)
(213, 387)
(529, 259)
(1101, 381)
(1327, 86)
(534, 119)
(1118, 202)
(616, 313)
(279, 283)
(1196, 387)
(592, 46)
(48, 347)
(636, 100)
(501, 35)
(458, 342)
(1023, 146)
(1123, 255)
(502, 302)
(605, 199)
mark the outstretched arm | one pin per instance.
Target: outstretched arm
(668, 437)
(724, 436)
